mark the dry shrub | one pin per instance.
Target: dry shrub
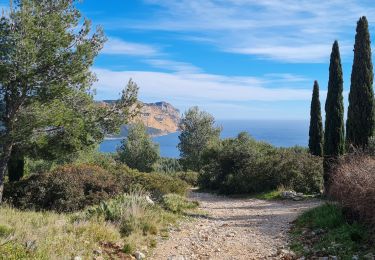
(353, 186)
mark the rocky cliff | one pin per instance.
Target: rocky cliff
(161, 118)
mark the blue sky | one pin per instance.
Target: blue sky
(241, 59)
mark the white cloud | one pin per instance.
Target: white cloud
(116, 46)
(283, 30)
(198, 87)
(171, 65)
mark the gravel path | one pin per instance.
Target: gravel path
(233, 229)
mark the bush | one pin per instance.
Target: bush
(353, 186)
(73, 187)
(67, 188)
(168, 165)
(243, 165)
(156, 183)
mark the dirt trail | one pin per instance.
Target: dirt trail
(233, 229)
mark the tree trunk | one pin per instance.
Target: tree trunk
(4, 159)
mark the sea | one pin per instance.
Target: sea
(280, 133)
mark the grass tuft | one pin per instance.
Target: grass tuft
(324, 231)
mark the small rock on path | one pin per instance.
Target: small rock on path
(233, 229)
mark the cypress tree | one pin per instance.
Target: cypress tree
(334, 107)
(316, 126)
(361, 123)
(334, 139)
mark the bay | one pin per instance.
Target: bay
(281, 133)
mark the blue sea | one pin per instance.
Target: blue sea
(281, 133)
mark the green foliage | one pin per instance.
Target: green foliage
(325, 231)
(5, 231)
(269, 195)
(156, 183)
(16, 165)
(121, 209)
(197, 132)
(138, 150)
(334, 142)
(132, 213)
(316, 126)
(46, 83)
(242, 165)
(172, 167)
(177, 203)
(168, 165)
(360, 125)
(66, 188)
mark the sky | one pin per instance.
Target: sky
(236, 59)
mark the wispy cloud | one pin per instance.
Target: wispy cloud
(175, 66)
(282, 30)
(115, 46)
(198, 87)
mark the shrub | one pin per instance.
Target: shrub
(74, 187)
(138, 151)
(67, 188)
(353, 186)
(177, 203)
(243, 165)
(157, 184)
(168, 165)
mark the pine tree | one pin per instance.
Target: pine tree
(360, 124)
(334, 107)
(316, 126)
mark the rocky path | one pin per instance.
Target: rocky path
(233, 229)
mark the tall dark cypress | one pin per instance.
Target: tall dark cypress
(334, 139)
(360, 124)
(334, 124)
(316, 126)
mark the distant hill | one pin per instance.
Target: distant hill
(161, 118)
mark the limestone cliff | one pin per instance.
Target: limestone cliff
(161, 118)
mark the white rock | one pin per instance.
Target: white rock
(149, 200)
(139, 255)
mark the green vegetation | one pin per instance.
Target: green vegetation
(325, 231)
(138, 151)
(244, 166)
(269, 195)
(360, 124)
(74, 187)
(197, 132)
(118, 226)
(177, 203)
(46, 83)
(168, 165)
(316, 125)
(334, 136)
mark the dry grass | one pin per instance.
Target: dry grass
(37, 235)
(116, 227)
(353, 186)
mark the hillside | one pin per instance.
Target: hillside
(161, 118)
